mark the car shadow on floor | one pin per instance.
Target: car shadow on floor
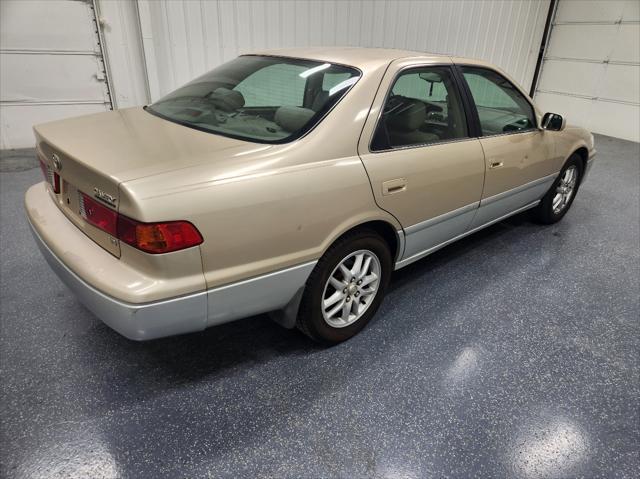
(257, 340)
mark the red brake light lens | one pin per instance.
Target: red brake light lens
(153, 238)
(98, 215)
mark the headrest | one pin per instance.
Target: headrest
(408, 117)
(292, 118)
(227, 100)
(320, 100)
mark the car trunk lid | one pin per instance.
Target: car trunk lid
(94, 154)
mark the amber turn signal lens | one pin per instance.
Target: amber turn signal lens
(158, 237)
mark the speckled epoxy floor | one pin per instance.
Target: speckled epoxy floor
(514, 353)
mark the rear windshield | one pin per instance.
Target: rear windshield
(259, 98)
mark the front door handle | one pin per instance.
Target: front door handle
(391, 187)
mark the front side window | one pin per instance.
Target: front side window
(422, 107)
(501, 107)
(259, 98)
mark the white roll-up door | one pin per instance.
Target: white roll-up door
(51, 65)
(591, 69)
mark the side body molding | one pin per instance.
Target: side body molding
(438, 232)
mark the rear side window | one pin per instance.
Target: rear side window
(423, 107)
(501, 107)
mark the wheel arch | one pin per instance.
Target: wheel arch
(392, 235)
(583, 153)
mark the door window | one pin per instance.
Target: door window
(423, 107)
(501, 107)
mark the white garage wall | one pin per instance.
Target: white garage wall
(184, 38)
(591, 70)
(50, 66)
(51, 59)
(120, 27)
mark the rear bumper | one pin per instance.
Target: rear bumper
(81, 264)
(84, 266)
(134, 321)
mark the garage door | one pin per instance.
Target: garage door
(51, 65)
(591, 69)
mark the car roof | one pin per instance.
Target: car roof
(358, 57)
(369, 59)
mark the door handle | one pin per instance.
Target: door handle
(496, 164)
(390, 187)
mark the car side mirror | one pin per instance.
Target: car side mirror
(553, 122)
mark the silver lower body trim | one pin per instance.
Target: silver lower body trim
(429, 236)
(504, 203)
(422, 254)
(183, 314)
(262, 294)
(139, 322)
(434, 231)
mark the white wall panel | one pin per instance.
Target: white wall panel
(608, 118)
(588, 42)
(626, 46)
(50, 66)
(121, 32)
(591, 71)
(17, 120)
(184, 38)
(45, 78)
(598, 11)
(45, 24)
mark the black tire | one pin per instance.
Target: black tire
(544, 213)
(310, 319)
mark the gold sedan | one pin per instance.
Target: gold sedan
(291, 182)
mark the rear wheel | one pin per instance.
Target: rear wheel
(558, 200)
(345, 288)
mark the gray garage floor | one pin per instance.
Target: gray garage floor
(514, 353)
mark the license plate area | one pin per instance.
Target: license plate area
(70, 197)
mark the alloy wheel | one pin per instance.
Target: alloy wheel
(351, 288)
(565, 189)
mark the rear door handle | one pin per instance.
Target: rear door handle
(391, 187)
(496, 164)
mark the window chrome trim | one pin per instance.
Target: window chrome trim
(509, 133)
(424, 145)
(420, 145)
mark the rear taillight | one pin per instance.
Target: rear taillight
(149, 237)
(50, 176)
(158, 237)
(98, 215)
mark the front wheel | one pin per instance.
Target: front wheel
(345, 288)
(555, 204)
